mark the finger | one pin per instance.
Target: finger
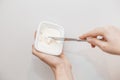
(35, 34)
(97, 42)
(92, 45)
(62, 52)
(62, 55)
(44, 57)
(94, 33)
(37, 53)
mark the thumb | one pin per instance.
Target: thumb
(96, 42)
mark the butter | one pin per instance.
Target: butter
(47, 33)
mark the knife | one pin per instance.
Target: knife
(67, 39)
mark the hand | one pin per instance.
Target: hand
(59, 64)
(52, 61)
(110, 42)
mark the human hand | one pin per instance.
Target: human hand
(52, 61)
(110, 42)
(59, 64)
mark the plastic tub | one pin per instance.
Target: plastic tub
(43, 43)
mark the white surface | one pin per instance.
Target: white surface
(20, 18)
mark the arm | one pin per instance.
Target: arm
(60, 65)
(63, 72)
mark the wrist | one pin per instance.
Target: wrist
(62, 66)
(63, 72)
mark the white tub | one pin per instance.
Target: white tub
(46, 48)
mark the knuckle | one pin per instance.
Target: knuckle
(104, 47)
(33, 52)
(94, 41)
(42, 57)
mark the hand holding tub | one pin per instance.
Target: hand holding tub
(59, 64)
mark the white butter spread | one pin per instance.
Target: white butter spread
(45, 35)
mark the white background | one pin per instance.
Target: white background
(20, 18)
